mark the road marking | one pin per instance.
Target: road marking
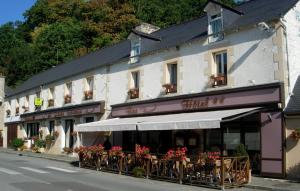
(7, 171)
(34, 170)
(60, 169)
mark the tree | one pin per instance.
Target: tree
(56, 43)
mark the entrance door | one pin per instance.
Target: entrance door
(272, 163)
(69, 129)
(11, 133)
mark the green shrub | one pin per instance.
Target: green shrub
(240, 150)
(17, 143)
(138, 172)
(39, 143)
(49, 138)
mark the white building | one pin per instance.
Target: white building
(239, 64)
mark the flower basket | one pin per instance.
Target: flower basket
(50, 102)
(68, 99)
(295, 134)
(178, 154)
(17, 110)
(8, 113)
(170, 88)
(142, 152)
(26, 109)
(116, 151)
(88, 95)
(133, 93)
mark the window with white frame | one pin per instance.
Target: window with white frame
(219, 76)
(135, 51)
(171, 78)
(221, 63)
(215, 27)
(88, 89)
(135, 80)
(172, 74)
(134, 85)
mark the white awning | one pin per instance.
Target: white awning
(197, 120)
(116, 124)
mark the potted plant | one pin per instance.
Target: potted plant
(170, 88)
(50, 102)
(49, 140)
(88, 94)
(8, 113)
(241, 151)
(295, 134)
(138, 172)
(17, 143)
(17, 110)
(67, 150)
(26, 109)
(40, 144)
(68, 99)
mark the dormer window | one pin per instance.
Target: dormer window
(135, 50)
(215, 27)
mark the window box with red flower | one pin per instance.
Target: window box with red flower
(67, 99)
(170, 88)
(295, 134)
(88, 95)
(133, 93)
(50, 102)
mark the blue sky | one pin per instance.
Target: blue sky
(12, 10)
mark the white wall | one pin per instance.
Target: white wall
(252, 60)
(292, 23)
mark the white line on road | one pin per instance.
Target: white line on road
(60, 169)
(34, 170)
(7, 171)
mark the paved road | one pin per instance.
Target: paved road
(20, 173)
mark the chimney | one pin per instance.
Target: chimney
(147, 28)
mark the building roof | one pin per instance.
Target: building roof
(293, 106)
(255, 11)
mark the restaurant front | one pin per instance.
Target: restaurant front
(58, 124)
(218, 121)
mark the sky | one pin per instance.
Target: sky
(12, 10)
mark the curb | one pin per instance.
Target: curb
(67, 160)
(257, 187)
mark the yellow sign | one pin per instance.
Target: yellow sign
(38, 101)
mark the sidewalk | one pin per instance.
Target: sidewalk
(259, 183)
(273, 184)
(61, 158)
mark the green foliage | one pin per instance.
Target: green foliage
(138, 172)
(49, 138)
(55, 31)
(240, 150)
(39, 143)
(17, 143)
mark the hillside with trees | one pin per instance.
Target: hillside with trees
(56, 31)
